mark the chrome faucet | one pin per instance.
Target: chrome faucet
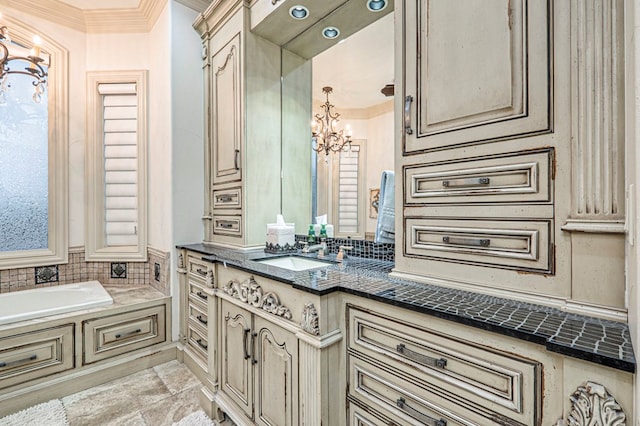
(320, 248)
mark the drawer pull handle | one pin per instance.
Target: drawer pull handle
(236, 159)
(128, 333)
(225, 225)
(480, 242)
(225, 198)
(202, 345)
(253, 348)
(402, 404)
(466, 182)
(245, 340)
(201, 295)
(407, 115)
(201, 272)
(202, 320)
(18, 361)
(420, 358)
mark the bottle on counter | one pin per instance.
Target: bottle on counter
(323, 232)
(311, 236)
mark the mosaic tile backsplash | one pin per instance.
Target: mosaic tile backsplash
(78, 270)
(361, 248)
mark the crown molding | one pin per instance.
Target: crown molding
(197, 5)
(133, 20)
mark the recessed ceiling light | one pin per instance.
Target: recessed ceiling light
(299, 12)
(376, 5)
(330, 33)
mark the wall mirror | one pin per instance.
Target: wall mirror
(343, 185)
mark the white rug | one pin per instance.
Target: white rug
(199, 418)
(48, 413)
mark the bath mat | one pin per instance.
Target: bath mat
(199, 418)
(48, 413)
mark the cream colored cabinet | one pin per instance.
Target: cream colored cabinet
(225, 112)
(197, 313)
(242, 147)
(118, 334)
(475, 73)
(417, 374)
(36, 354)
(484, 130)
(259, 367)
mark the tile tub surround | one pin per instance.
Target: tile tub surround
(592, 339)
(78, 270)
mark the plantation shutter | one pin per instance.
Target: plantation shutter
(348, 190)
(120, 131)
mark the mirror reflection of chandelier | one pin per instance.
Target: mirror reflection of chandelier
(30, 64)
(323, 128)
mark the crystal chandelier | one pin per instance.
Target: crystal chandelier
(323, 129)
(30, 65)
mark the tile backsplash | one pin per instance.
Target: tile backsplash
(77, 270)
(360, 248)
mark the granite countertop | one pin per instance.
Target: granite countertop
(592, 339)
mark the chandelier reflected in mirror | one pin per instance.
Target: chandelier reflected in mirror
(16, 59)
(326, 137)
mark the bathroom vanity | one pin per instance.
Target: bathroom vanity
(348, 344)
(509, 177)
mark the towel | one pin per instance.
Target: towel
(386, 226)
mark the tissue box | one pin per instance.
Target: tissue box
(329, 228)
(281, 234)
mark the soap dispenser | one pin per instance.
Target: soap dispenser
(311, 236)
(323, 232)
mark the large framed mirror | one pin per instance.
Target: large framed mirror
(359, 69)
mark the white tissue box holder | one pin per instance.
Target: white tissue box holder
(280, 239)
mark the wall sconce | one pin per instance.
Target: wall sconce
(30, 65)
(323, 129)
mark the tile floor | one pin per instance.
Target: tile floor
(157, 396)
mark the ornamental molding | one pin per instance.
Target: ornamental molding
(250, 292)
(181, 264)
(310, 319)
(592, 405)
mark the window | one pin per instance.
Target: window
(349, 191)
(33, 161)
(116, 166)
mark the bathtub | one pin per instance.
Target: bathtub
(41, 302)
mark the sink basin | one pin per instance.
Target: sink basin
(294, 263)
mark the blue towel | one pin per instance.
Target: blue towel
(386, 226)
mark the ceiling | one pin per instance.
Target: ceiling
(102, 4)
(357, 68)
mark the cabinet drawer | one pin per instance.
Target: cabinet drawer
(359, 416)
(511, 179)
(197, 293)
(511, 244)
(118, 334)
(501, 383)
(34, 355)
(198, 314)
(197, 268)
(197, 341)
(227, 225)
(408, 404)
(227, 198)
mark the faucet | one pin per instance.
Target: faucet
(320, 248)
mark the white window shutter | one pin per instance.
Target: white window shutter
(120, 124)
(116, 166)
(348, 184)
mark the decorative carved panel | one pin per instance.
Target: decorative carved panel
(598, 109)
(250, 292)
(310, 319)
(592, 405)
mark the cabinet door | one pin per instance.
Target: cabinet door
(226, 113)
(236, 377)
(475, 72)
(275, 375)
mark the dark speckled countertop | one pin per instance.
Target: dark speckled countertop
(592, 339)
